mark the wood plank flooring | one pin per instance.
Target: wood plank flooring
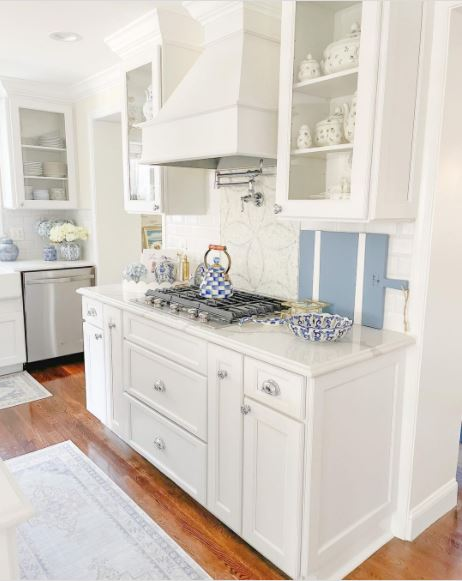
(436, 554)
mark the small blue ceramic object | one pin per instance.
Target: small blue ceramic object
(165, 271)
(8, 250)
(50, 253)
(319, 326)
(135, 272)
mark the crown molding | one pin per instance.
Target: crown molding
(136, 36)
(207, 11)
(36, 89)
(96, 83)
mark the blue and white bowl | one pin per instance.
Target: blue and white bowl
(319, 326)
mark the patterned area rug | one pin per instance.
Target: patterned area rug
(19, 388)
(86, 527)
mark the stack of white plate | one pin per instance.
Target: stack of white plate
(51, 140)
(33, 168)
(55, 169)
(41, 195)
(58, 193)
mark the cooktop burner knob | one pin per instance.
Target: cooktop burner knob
(174, 307)
(192, 313)
(157, 302)
(203, 317)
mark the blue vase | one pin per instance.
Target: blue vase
(8, 250)
(50, 253)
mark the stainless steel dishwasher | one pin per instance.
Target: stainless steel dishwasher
(53, 313)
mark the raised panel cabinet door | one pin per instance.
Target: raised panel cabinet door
(95, 372)
(225, 424)
(272, 485)
(118, 409)
(12, 342)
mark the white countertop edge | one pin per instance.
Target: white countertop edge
(32, 265)
(214, 336)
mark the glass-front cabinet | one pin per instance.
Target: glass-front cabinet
(343, 102)
(37, 153)
(143, 183)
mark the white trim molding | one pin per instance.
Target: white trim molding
(431, 509)
(96, 83)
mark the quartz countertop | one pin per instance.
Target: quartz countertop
(30, 265)
(273, 344)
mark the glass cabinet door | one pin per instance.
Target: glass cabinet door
(142, 179)
(44, 155)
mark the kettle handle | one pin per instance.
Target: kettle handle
(220, 248)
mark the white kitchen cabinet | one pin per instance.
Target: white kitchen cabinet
(272, 485)
(117, 409)
(149, 77)
(95, 372)
(369, 178)
(225, 385)
(41, 131)
(12, 340)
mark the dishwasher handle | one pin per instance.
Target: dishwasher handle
(61, 280)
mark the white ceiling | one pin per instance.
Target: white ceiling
(26, 52)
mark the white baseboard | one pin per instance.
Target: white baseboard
(431, 509)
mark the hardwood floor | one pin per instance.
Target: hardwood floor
(436, 554)
(29, 427)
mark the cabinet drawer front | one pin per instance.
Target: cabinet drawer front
(173, 390)
(170, 343)
(177, 454)
(92, 312)
(282, 390)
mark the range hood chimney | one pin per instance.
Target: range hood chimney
(223, 114)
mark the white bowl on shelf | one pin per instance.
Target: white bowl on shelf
(58, 194)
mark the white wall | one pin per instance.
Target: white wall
(434, 440)
(117, 235)
(107, 99)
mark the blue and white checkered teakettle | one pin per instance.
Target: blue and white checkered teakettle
(216, 283)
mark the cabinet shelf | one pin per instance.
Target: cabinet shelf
(323, 152)
(330, 86)
(44, 178)
(43, 148)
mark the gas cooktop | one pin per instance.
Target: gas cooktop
(188, 301)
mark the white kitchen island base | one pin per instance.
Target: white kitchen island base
(293, 445)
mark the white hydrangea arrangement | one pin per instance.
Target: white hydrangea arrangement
(68, 233)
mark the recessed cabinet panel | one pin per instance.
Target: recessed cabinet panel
(272, 485)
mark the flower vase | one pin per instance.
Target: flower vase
(69, 251)
(50, 253)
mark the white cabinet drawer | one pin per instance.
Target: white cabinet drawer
(92, 312)
(177, 454)
(173, 390)
(168, 342)
(282, 390)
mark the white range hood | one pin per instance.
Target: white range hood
(223, 114)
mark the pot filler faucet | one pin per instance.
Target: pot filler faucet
(256, 198)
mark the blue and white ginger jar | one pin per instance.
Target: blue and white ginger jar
(8, 250)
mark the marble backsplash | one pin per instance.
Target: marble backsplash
(264, 250)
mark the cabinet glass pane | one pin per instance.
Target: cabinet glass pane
(326, 59)
(44, 154)
(139, 103)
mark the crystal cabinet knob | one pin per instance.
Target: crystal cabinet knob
(159, 443)
(277, 208)
(111, 325)
(270, 387)
(222, 374)
(245, 409)
(91, 312)
(98, 336)
(156, 207)
(159, 385)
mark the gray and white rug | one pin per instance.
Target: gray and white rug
(19, 388)
(86, 527)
